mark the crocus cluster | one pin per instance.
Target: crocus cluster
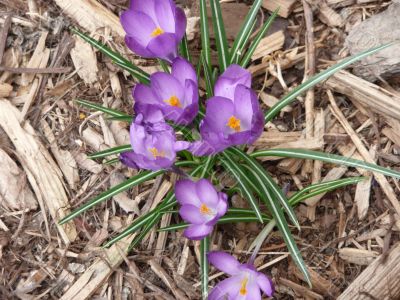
(154, 29)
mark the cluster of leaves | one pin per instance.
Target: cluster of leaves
(253, 181)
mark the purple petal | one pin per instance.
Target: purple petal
(244, 106)
(180, 23)
(228, 287)
(218, 112)
(143, 94)
(138, 48)
(197, 232)
(253, 291)
(185, 193)
(224, 262)
(240, 138)
(202, 148)
(265, 284)
(182, 70)
(222, 204)
(192, 214)
(138, 26)
(165, 10)
(181, 145)
(164, 46)
(227, 82)
(207, 193)
(128, 159)
(147, 7)
(165, 86)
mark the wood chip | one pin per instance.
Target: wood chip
(269, 44)
(357, 256)
(85, 61)
(285, 6)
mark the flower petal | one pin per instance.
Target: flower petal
(218, 112)
(207, 193)
(197, 232)
(253, 291)
(144, 95)
(182, 70)
(165, 10)
(164, 46)
(265, 284)
(165, 86)
(192, 214)
(138, 26)
(244, 106)
(128, 159)
(180, 23)
(227, 82)
(185, 193)
(147, 7)
(224, 262)
(137, 47)
(228, 287)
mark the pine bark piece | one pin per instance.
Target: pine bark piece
(285, 6)
(43, 173)
(380, 280)
(95, 276)
(91, 15)
(269, 44)
(366, 93)
(14, 191)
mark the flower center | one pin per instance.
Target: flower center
(234, 123)
(154, 151)
(156, 32)
(174, 101)
(243, 288)
(205, 210)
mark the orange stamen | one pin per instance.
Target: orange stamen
(243, 289)
(156, 32)
(234, 123)
(205, 210)
(174, 101)
(154, 151)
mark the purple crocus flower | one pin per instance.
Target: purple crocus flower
(245, 282)
(154, 28)
(176, 94)
(153, 141)
(202, 206)
(233, 115)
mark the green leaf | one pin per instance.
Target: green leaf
(245, 184)
(205, 34)
(207, 75)
(163, 65)
(111, 151)
(326, 157)
(98, 107)
(220, 35)
(149, 226)
(136, 72)
(126, 118)
(253, 46)
(289, 98)
(268, 181)
(204, 248)
(184, 49)
(245, 31)
(283, 227)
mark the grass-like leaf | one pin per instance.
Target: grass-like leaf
(326, 157)
(207, 75)
(220, 35)
(289, 98)
(245, 31)
(135, 71)
(184, 49)
(283, 227)
(110, 151)
(205, 33)
(98, 107)
(126, 118)
(204, 249)
(269, 182)
(253, 46)
(245, 184)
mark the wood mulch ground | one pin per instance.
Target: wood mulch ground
(45, 138)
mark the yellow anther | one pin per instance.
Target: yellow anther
(156, 32)
(174, 101)
(82, 116)
(154, 151)
(234, 123)
(243, 288)
(205, 210)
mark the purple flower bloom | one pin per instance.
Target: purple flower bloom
(153, 141)
(202, 206)
(154, 28)
(227, 83)
(245, 282)
(176, 94)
